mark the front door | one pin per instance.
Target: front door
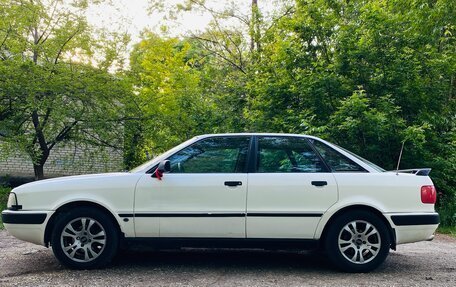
(290, 190)
(204, 194)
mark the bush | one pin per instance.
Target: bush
(4, 192)
(447, 211)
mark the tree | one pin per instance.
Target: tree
(368, 75)
(169, 105)
(51, 92)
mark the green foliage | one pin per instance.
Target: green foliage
(51, 93)
(371, 128)
(447, 210)
(169, 104)
(4, 193)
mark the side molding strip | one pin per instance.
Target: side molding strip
(253, 214)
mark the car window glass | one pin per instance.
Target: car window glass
(337, 161)
(287, 154)
(212, 155)
(371, 164)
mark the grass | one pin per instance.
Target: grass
(449, 230)
(447, 212)
(4, 191)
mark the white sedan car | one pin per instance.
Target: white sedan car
(275, 191)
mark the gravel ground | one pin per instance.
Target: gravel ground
(419, 264)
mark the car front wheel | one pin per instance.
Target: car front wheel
(84, 238)
(357, 241)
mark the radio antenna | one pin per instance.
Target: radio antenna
(400, 157)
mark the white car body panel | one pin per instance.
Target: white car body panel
(287, 193)
(386, 192)
(113, 191)
(415, 233)
(395, 192)
(191, 194)
(33, 233)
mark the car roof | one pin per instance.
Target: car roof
(254, 134)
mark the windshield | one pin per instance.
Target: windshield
(373, 165)
(144, 165)
(165, 154)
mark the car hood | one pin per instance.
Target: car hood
(77, 180)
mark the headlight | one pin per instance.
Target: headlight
(12, 201)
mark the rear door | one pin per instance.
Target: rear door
(290, 189)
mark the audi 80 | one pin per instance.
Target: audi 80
(272, 191)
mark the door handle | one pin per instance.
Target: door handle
(319, 183)
(233, 183)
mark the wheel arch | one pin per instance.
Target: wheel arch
(368, 208)
(71, 205)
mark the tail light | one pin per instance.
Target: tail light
(428, 194)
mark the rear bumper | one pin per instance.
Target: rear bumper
(26, 225)
(414, 227)
(416, 219)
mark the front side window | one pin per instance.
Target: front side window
(287, 154)
(212, 155)
(337, 161)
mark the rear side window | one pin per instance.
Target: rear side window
(336, 161)
(287, 154)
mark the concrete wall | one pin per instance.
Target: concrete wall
(67, 160)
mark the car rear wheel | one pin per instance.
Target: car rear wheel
(84, 238)
(357, 241)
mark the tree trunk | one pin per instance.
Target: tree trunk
(253, 20)
(39, 171)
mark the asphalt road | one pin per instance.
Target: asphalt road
(419, 264)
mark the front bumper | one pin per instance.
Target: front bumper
(23, 218)
(414, 227)
(26, 225)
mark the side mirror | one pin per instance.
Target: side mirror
(163, 166)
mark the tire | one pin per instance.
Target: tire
(351, 250)
(93, 246)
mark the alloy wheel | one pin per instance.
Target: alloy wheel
(359, 241)
(83, 239)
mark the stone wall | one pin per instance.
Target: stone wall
(67, 160)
